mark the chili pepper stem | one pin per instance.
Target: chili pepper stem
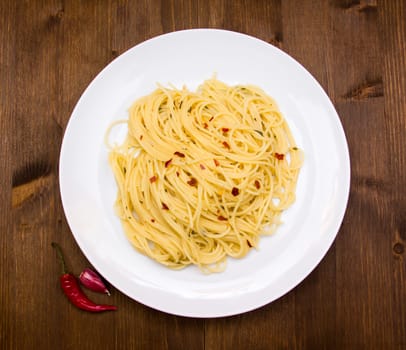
(60, 256)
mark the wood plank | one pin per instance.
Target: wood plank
(392, 18)
(355, 62)
(39, 305)
(7, 76)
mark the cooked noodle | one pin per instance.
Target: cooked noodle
(202, 175)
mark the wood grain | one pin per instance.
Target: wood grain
(392, 18)
(7, 73)
(355, 298)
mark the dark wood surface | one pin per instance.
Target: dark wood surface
(354, 299)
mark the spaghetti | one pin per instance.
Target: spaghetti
(202, 175)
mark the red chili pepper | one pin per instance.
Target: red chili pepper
(91, 280)
(72, 290)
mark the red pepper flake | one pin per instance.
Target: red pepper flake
(226, 145)
(257, 184)
(221, 218)
(164, 206)
(177, 173)
(168, 162)
(152, 220)
(179, 154)
(225, 129)
(202, 167)
(235, 191)
(141, 136)
(279, 156)
(249, 243)
(211, 119)
(216, 162)
(192, 182)
(152, 179)
(205, 125)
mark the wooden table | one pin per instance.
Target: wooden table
(354, 299)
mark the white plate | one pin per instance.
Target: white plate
(188, 57)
